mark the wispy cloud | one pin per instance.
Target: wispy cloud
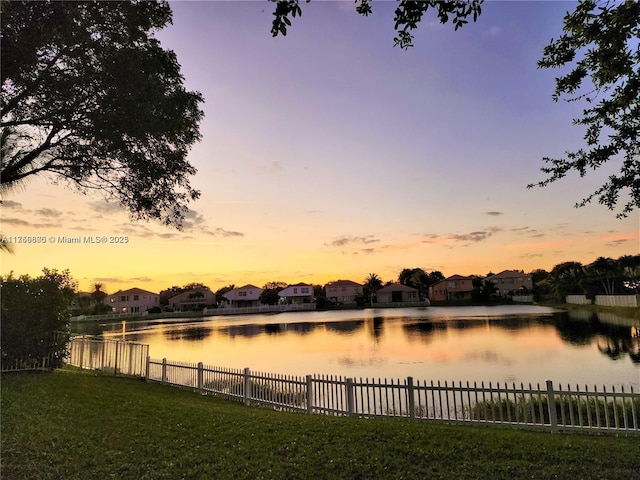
(134, 229)
(349, 240)
(141, 279)
(107, 208)
(11, 204)
(49, 212)
(193, 219)
(494, 214)
(531, 255)
(614, 243)
(196, 222)
(23, 223)
(108, 280)
(16, 221)
(475, 236)
(221, 232)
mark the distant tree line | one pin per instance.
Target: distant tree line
(604, 276)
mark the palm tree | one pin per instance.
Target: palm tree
(605, 271)
(630, 266)
(372, 283)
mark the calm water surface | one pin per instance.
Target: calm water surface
(497, 344)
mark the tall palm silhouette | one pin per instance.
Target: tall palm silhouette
(372, 283)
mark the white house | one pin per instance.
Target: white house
(298, 293)
(246, 296)
(134, 300)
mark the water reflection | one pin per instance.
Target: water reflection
(378, 328)
(423, 330)
(190, 333)
(470, 343)
(301, 328)
(242, 330)
(614, 340)
(348, 327)
(273, 329)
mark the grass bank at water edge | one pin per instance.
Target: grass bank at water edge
(78, 425)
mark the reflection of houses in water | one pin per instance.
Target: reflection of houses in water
(241, 330)
(190, 333)
(345, 327)
(467, 323)
(515, 322)
(301, 328)
(423, 330)
(273, 328)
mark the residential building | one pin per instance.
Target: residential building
(343, 291)
(510, 281)
(298, 293)
(246, 296)
(397, 293)
(194, 299)
(455, 287)
(133, 300)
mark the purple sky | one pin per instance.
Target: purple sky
(330, 154)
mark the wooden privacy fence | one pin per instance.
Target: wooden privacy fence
(548, 406)
(118, 357)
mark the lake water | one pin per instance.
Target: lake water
(520, 343)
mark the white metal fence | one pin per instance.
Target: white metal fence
(118, 357)
(547, 407)
(550, 407)
(28, 363)
(293, 307)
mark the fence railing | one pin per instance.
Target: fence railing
(549, 407)
(118, 357)
(293, 307)
(28, 363)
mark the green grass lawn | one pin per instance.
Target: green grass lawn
(77, 425)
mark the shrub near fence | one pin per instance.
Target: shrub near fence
(546, 407)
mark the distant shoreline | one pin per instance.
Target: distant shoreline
(626, 312)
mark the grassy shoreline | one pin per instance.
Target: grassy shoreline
(82, 425)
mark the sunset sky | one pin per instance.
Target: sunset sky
(330, 154)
